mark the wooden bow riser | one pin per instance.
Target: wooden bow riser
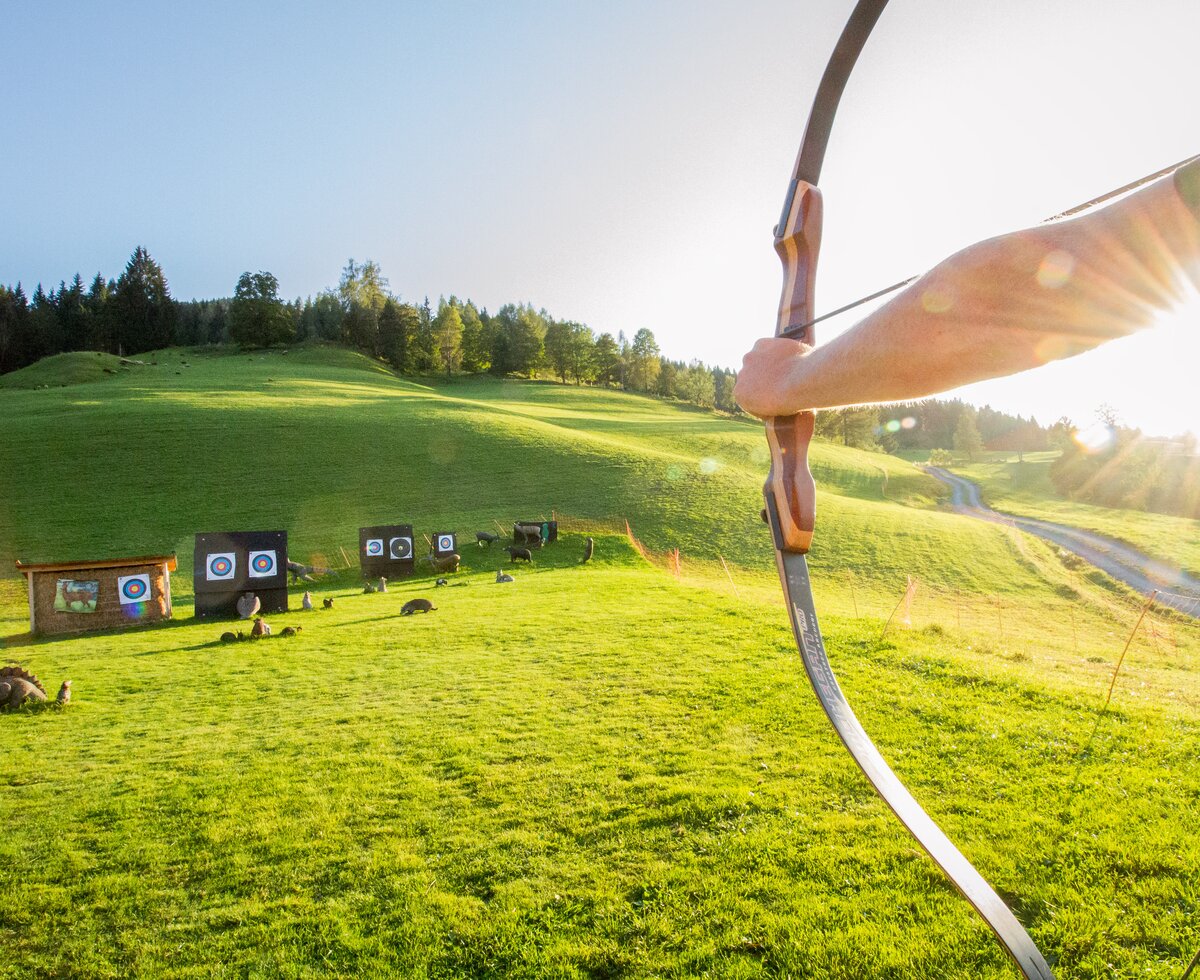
(790, 482)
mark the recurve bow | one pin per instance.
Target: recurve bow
(790, 496)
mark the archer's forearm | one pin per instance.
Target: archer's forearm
(1001, 306)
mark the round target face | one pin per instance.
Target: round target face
(374, 547)
(445, 542)
(220, 567)
(262, 564)
(400, 548)
(133, 588)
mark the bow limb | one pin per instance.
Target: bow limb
(790, 497)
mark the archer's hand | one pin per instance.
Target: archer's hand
(771, 381)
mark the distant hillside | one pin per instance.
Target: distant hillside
(320, 441)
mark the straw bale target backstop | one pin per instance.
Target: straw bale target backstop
(79, 596)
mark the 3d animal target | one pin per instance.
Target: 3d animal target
(262, 564)
(221, 567)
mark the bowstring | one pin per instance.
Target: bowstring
(796, 331)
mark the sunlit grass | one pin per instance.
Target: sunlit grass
(597, 771)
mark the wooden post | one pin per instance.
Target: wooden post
(1133, 633)
(730, 577)
(167, 586)
(32, 604)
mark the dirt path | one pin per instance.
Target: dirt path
(1139, 571)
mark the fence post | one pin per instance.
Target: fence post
(1133, 633)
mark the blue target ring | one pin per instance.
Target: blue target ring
(374, 547)
(263, 563)
(221, 566)
(134, 589)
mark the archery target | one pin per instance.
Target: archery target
(400, 548)
(374, 547)
(262, 564)
(445, 542)
(221, 567)
(133, 589)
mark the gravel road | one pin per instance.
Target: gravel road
(1139, 571)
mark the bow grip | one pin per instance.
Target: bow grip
(790, 487)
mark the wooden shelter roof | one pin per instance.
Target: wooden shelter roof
(75, 566)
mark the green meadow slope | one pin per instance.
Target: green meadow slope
(1024, 488)
(321, 441)
(598, 771)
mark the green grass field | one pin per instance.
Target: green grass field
(1025, 488)
(599, 771)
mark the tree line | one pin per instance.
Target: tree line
(136, 313)
(948, 425)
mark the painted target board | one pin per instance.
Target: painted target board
(134, 594)
(232, 563)
(386, 550)
(445, 543)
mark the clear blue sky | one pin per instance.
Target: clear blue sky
(620, 164)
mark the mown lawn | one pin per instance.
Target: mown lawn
(596, 771)
(593, 772)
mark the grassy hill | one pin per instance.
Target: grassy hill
(1025, 488)
(597, 771)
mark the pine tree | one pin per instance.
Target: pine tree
(143, 311)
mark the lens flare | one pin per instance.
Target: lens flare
(936, 301)
(1096, 438)
(908, 422)
(1056, 269)
(709, 465)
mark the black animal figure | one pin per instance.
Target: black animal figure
(503, 576)
(588, 547)
(290, 630)
(328, 603)
(519, 554)
(368, 589)
(230, 637)
(417, 605)
(485, 537)
(440, 582)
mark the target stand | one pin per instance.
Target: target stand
(386, 550)
(444, 543)
(231, 563)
